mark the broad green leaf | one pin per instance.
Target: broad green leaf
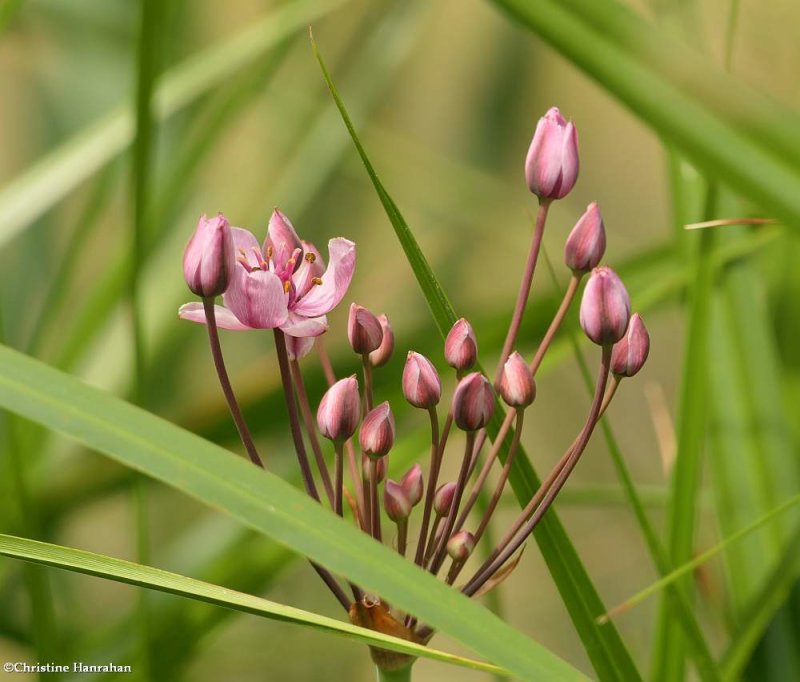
(119, 570)
(605, 648)
(52, 178)
(265, 503)
(729, 143)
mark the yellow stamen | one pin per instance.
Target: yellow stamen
(286, 286)
(316, 280)
(311, 257)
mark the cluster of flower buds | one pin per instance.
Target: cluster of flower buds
(284, 285)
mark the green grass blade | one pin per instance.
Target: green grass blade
(605, 648)
(131, 573)
(265, 503)
(673, 576)
(704, 134)
(52, 178)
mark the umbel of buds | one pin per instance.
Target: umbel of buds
(338, 413)
(551, 167)
(421, 384)
(586, 243)
(631, 351)
(605, 307)
(473, 402)
(516, 385)
(208, 260)
(377, 431)
(383, 353)
(363, 330)
(461, 347)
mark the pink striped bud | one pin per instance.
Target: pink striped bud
(631, 351)
(395, 502)
(377, 431)
(460, 546)
(586, 243)
(461, 347)
(605, 308)
(413, 484)
(551, 167)
(337, 416)
(208, 259)
(421, 384)
(299, 346)
(363, 330)
(383, 353)
(516, 385)
(381, 465)
(443, 499)
(473, 402)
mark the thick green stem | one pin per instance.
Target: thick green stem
(401, 675)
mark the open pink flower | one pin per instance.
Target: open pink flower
(283, 284)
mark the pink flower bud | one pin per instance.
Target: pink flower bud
(395, 502)
(421, 384)
(461, 347)
(473, 402)
(460, 546)
(383, 353)
(413, 485)
(381, 465)
(586, 243)
(443, 499)
(377, 431)
(551, 167)
(363, 330)
(208, 260)
(337, 416)
(631, 351)
(605, 308)
(299, 346)
(516, 385)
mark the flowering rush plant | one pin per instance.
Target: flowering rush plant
(286, 285)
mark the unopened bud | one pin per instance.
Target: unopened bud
(551, 167)
(473, 402)
(461, 347)
(363, 330)
(631, 351)
(299, 346)
(605, 307)
(395, 501)
(381, 465)
(377, 431)
(337, 416)
(586, 243)
(460, 546)
(413, 484)
(383, 353)
(421, 384)
(443, 499)
(516, 386)
(208, 259)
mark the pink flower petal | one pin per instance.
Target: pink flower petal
(297, 325)
(257, 298)
(324, 297)
(282, 238)
(311, 266)
(194, 312)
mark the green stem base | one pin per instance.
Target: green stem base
(400, 675)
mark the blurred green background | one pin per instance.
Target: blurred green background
(446, 96)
